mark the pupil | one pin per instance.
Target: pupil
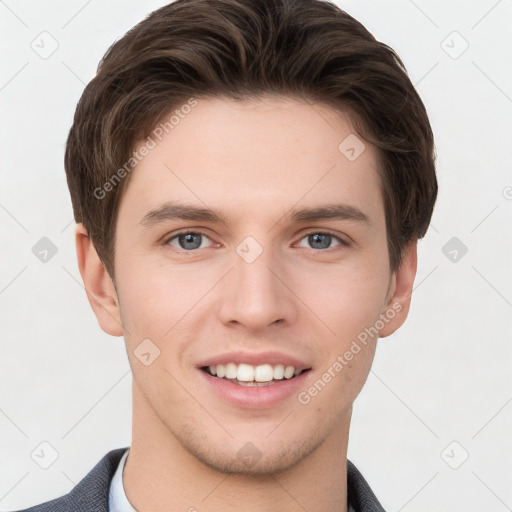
(190, 240)
(320, 241)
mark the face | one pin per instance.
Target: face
(249, 246)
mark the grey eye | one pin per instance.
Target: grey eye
(188, 241)
(321, 240)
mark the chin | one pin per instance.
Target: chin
(257, 463)
(251, 458)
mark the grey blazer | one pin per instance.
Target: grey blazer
(91, 493)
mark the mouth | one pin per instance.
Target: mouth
(250, 380)
(249, 375)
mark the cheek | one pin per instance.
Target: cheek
(346, 299)
(155, 297)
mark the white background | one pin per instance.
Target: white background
(444, 377)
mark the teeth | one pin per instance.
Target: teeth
(231, 371)
(221, 370)
(288, 372)
(249, 375)
(264, 373)
(255, 384)
(245, 373)
(278, 371)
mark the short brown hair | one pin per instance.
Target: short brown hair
(242, 49)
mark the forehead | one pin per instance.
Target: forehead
(256, 157)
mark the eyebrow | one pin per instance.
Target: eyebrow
(173, 210)
(330, 212)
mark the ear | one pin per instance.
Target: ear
(398, 300)
(98, 284)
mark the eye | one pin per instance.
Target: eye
(320, 240)
(188, 241)
(192, 240)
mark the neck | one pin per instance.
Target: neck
(160, 473)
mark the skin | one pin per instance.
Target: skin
(254, 162)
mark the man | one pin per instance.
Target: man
(249, 181)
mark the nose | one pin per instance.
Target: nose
(258, 294)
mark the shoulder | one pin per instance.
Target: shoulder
(359, 492)
(91, 493)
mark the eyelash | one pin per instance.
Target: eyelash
(202, 233)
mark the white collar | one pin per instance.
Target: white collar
(117, 500)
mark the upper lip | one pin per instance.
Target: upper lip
(256, 359)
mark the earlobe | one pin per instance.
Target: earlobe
(399, 299)
(98, 284)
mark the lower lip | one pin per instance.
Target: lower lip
(255, 397)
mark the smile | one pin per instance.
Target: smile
(250, 375)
